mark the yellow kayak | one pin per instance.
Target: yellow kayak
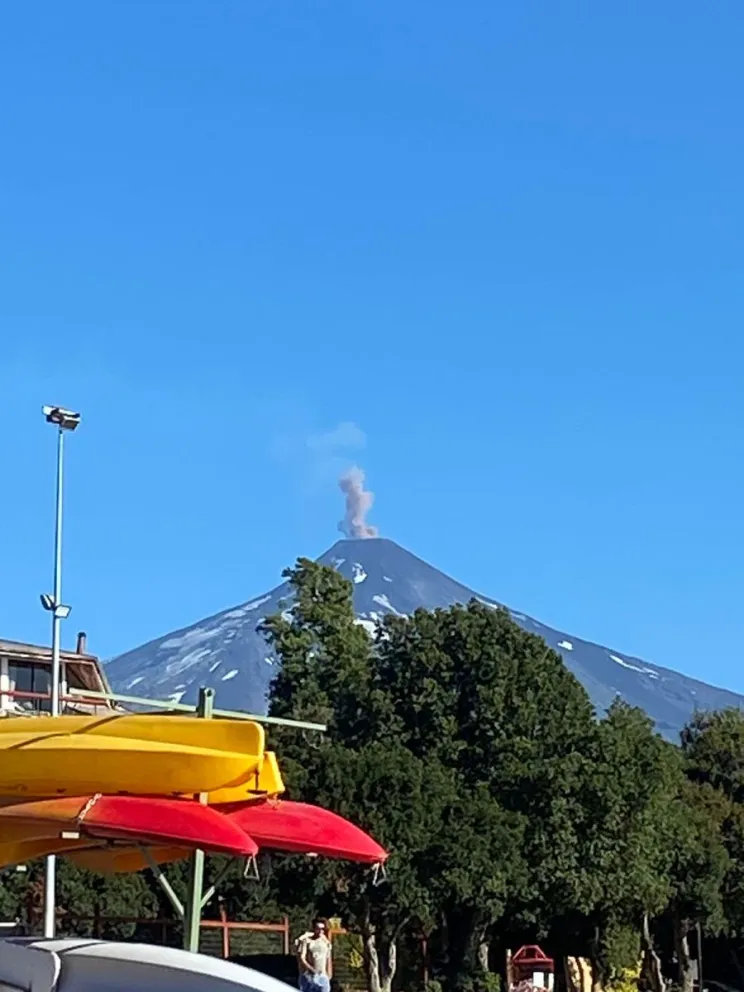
(240, 736)
(57, 764)
(267, 781)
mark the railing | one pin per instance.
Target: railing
(164, 931)
(42, 703)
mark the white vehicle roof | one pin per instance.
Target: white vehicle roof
(77, 965)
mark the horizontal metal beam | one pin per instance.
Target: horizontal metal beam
(164, 704)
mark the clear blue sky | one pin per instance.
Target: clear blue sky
(505, 240)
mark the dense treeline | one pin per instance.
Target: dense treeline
(512, 814)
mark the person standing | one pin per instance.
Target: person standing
(314, 957)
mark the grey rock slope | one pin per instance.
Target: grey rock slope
(226, 651)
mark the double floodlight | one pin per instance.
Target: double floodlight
(59, 610)
(66, 420)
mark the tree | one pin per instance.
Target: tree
(482, 714)
(632, 788)
(496, 704)
(326, 658)
(361, 769)
(711, 879)
(713, 746)
(443, 847)
(697, 872)
(82, 897)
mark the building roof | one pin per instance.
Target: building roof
(533, 956)
(21, 651)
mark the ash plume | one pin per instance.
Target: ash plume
(358, 503)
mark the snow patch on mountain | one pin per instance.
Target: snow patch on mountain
(626, 664)
(386, 579)
(241, 611)
(385, 602)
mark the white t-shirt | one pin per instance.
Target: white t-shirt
(316, 951)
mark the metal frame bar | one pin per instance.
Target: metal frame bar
(164, 704)
(192, 918)
(163, 882)
(4, 683)
(50, 864)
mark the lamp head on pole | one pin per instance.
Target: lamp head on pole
(51, 606)
(66, 420)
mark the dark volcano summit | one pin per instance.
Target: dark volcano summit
(226, 651)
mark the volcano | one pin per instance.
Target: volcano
(227, 652)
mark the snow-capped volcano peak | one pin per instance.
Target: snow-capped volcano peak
(227, 652)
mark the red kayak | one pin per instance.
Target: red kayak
(177, 822)
(304, 829)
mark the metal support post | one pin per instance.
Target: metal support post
(192, 918)
(50, 867)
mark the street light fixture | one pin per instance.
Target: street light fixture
(64, 420)
(50, 606)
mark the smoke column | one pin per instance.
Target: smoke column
(358, 502)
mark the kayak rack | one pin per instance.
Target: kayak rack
(196, 898)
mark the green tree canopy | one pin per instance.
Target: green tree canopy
(459, 739)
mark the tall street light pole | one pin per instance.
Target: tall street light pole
(63, 420)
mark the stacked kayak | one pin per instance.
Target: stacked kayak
(275, 825)
(119, 792)
(138, 755)
(50, 826)
(300, 828)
